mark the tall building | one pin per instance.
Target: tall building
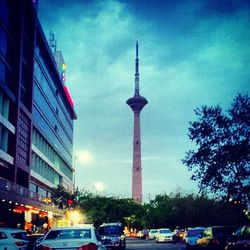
(136, 103)
(36, 120)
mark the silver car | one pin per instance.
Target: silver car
(73, 238)
(13, 239)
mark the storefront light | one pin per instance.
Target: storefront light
(28, 206)
(3, 200)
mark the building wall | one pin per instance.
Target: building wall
(36, 118)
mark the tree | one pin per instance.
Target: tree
(221, 161)
(64, 199)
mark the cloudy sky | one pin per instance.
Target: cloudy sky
(191, 53)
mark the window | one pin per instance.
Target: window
(33, 187)
(4, 12)
(2, 71)
(3, 138)
(3, 42)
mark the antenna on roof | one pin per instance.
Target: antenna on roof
(52, 42)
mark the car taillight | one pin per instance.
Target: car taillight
(90, 246)
(20, 243)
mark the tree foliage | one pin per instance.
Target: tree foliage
(61, 197)
(99, 209)
(175, 209)
(221, 161)
(185, 210)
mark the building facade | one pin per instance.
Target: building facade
(36, 119)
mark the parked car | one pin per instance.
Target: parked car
(15, 239)
(145, 233)
(215, 237)
(151, 234)
(139, 234)
(112, 235)
(164, 235)
(191, 236)
(34, 239)
(142, 234)
(240, 239)
(75, 237)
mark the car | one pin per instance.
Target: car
(145, 233)
(151, 234)
(142, 234)
(112, 235)
(192, 234)
(164, 235)
(240, 239)
(139, 234)
(215, 237)
(34, 239)
(82, 237)
(15, 239)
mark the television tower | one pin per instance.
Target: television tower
(137, 103)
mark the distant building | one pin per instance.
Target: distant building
(36, 120)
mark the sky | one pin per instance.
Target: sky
(191, 53)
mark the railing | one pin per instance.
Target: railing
(14, 188)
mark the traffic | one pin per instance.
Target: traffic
(114, 236)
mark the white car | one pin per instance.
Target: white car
(151, 234)
(84, 237)
(13, 239)
(164, 235)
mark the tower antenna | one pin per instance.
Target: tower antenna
(137, 90)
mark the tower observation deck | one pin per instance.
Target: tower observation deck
(137, 103)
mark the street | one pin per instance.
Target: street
(139, 244)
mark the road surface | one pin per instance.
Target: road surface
(139, 244)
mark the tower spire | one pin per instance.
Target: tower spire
(137, 90)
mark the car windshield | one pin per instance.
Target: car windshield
(165, 231)
(69, 234)
(153, 231)
(20, 236)
(195, 232)
(110, 230)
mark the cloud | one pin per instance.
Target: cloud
(191, 54)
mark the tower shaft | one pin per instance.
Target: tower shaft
(137, 171)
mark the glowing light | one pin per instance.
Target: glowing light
(99, 186)
(63, 72)
(75, 217)
(68, 96)
(84, 157)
